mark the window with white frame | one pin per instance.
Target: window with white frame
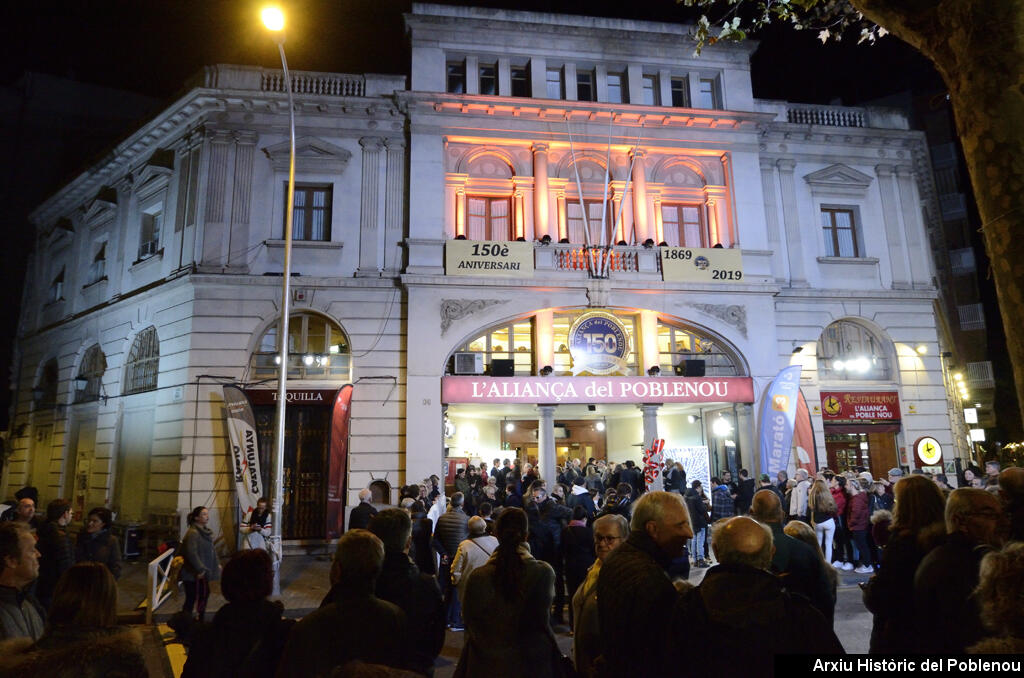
(577, 225)
(149, 230)
(488, 79)
(839, 228)
(651, 94)
(311, 212)
(709, 93)
(617, 88)
(98, 267)
(90, 375)
(142, 367)
(56, 291)
(554, 84)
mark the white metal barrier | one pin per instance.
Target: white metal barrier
(159, 587)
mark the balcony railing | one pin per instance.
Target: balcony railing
(339, 85)
(830, 116)
(972, 317)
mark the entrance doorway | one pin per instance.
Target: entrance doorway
(875, 451)
(574, 439)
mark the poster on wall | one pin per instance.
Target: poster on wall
(337, 464)
(245, 454)
(696, 461)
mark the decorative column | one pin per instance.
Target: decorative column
(241, 197)
(791, 216)
(460, 211)
(893, 235)
(563, 226)
(771, 216)
(640, 196)
(650, 415)
(659, 223)
(619, 233)
(714, 235)
(520, 226)
(369, 206)
(394, 201)
(917, 250)
(546, 443)
(541, 211)
(215, 238)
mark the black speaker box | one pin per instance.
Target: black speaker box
(505, 367)
(693, 368)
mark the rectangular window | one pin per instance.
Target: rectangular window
(554, 84)
(651, 91)
(576, 225)
(520, 81)
(456, 77)
(585, 86)
(98, 269)
(840, 232)
(617, 92)
(56, 291)
(149, 233)
(488, 218)
(708, 93)
(488, 79)
(682, 225)
(311, 213)
(680, 92)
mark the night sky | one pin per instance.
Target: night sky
(152, 47)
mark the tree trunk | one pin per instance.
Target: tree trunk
(978, 47)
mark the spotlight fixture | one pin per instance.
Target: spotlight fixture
(545, 239)
(693, 418)
(509, 427)
(648, 244)
(546, 370)
(958, 377)
(798, 349)
(654, 371)
(921, 349)
(721, 427)
(599, 425)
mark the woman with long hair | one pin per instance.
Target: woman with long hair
(918, 526)
(798, 529)
(201, 565)
(82, 638)
(507, 609)
(822, 508)
(96, 543)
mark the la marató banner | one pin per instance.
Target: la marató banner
(778, 413)
(245, 451)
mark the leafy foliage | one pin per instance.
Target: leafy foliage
(734, 19)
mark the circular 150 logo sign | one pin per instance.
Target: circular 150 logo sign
(598, 344)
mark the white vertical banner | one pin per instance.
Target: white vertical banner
(245, 453)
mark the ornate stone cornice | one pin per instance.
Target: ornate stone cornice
(456, 309)
(732, 314)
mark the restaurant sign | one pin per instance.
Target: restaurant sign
(860, 407)
(593, 390)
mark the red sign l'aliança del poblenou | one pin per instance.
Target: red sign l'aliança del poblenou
(596, 390)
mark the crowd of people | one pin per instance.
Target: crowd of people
(594, 552)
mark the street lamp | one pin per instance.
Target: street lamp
(273, 19)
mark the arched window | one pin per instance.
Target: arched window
(508, 342)
(849, 351)
(90, 375)
(317, 349)
(143, 364)
(45, 392)
(686, 351)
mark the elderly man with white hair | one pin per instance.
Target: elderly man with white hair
(741, 610)
(359, 519)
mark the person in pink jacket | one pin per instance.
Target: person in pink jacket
(843, 555)
(857, 520)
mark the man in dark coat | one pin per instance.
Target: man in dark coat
(948, 617)
(632, 475)
(744, 492)
(547, 518)
(741, 612)
(698, 510)
(452, 527)
(56, 550)
(634, 593)
(416, 594)
(357, 625)
(361, 514)
(795, 563)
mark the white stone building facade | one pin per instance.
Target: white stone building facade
(156, 278)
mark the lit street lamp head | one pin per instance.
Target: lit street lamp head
(273, 18)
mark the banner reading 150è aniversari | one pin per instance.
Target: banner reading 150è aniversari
(488, 258)
(701, 264)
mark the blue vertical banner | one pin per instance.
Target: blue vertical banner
(777, 415)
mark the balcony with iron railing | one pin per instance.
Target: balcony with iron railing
(599, 262)
(311, 83)
(972, 317)
(835, 116)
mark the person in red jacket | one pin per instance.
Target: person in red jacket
(857, 521)
(843, 555)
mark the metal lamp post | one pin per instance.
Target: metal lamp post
(273, 19)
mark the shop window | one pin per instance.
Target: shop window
(849, 351)
(840, 230)
(507, 342)
(89, 380)
(456, 76)
(311, 213)
(488, 218)
(317, 349)
(683, 225)
(682, 348)
(143, 364)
